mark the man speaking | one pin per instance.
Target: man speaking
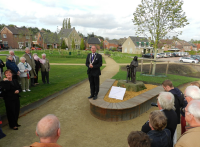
(94, 62)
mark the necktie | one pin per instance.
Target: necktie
(92, 56)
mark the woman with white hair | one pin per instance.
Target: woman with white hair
(24, 68)
(166, 105)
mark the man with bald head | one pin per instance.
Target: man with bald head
(192, 115)
(48, 130)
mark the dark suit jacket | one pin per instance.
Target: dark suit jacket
(9, 88)
(171, 123)
(2, 65)
(12, 66)
(95, 71)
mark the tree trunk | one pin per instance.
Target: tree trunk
(154, 63)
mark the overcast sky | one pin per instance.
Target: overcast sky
(107, 18)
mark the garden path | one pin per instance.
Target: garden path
(78, 127)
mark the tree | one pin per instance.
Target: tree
(82, 45)
(159, 18)
(66, 24)
(69, 24)
(63, 46)
(73, 44)
(101, 45)
(90, 35)
(63, 25)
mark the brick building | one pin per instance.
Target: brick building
(93, 41)
(16, 37)
(109, 44)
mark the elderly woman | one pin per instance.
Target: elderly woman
(11, 90)
(166, 105)
(13, 67)
(24, 73)
(37, 67)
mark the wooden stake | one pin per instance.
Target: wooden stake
(150, 68)
(141, 66)
(167, 68)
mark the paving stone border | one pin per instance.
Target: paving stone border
(126, 110)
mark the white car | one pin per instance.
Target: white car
(188, 60)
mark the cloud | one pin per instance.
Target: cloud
(111, 19)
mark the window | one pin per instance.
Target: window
(15, 36)
(144, 44)
(4, 36)
(5, 42)
(139, 44)
(130, 50)
(125, 50)
(27, 37)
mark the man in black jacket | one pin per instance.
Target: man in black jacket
(166, 105)
(94, 62)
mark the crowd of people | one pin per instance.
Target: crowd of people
(174, 108)
(160, 130)
(17, 76)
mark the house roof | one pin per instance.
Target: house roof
(93, 40)
(184, 43)
(16, 30)
(122, 40)
(113, 41)
(136, 40)
(65, 32)
(51, 38)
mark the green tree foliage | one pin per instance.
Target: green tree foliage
(82, 45)
(69, 24)
(63, 46)
(101, 45)
(90, 35)
(1, 26)
(46, 30)
(66, 23)
(159, 18)
(63, 25)
(73, 44)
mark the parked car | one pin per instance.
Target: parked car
(148, 55)
(169, 54)
(4, 46)
(176, 54)
(151, 55)
(188, 60)
(35, 48)
(186, 53)
(164, 55)
(119, 50)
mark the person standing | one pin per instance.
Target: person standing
(31, 62)
(1, 69)
(45, 68)
(37, 67)
(24, 74)
(10, 64)
(94, 62)
(11, 90)
(15, 58)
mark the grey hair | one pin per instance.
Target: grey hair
(48, 126)
(193, 92)
(44, 54)
(27, 48)
(11, 51)
(34, 54)
(22, 58)
(194, 109)
(166, 100)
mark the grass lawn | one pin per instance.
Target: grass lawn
(61, 77)
(120, 57)
(176, 80)
(56, 57)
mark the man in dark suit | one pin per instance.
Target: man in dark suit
(94, 62)
(166, 105)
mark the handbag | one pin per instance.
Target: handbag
(28, 75)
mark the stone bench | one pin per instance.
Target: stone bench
(121, 111)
